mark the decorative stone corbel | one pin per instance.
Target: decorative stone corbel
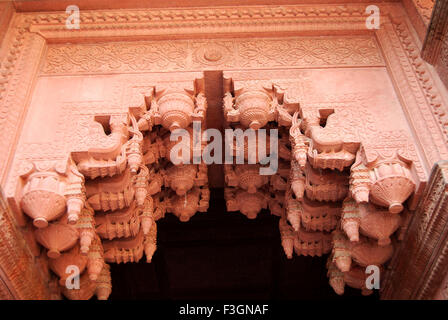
(245, 176)
(185, 206)
(57, 237)
(43, 195)
(255, 107)
(111, 193)
(106, 153)
(73, 257)
(249, 204)
(364, 252)
(86, 289)
(124, 250)
(371, 221)
(173, 109)
(184, 177)
(328, 147)
(355, 278)
(319, 216)
(119, 224)
(384, 178)
(310, 243)
(325, 185)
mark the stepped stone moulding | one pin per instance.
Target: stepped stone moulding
(364, 252)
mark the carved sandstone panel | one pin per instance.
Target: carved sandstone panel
(186, 55)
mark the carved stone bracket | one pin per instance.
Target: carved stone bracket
(421, 261)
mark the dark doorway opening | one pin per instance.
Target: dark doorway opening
(223, 255)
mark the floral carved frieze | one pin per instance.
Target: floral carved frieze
(185, 55)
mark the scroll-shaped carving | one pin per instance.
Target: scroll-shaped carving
(364, 252)
(111, 193)
(249, 204)
(57, 237)
(173, 109)
(119, 224)
(185, 206)
(370, 220)
(124, 250)
(328, 147)
(72, 257)
(106, 154)
(245, 176)
(390, 180)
